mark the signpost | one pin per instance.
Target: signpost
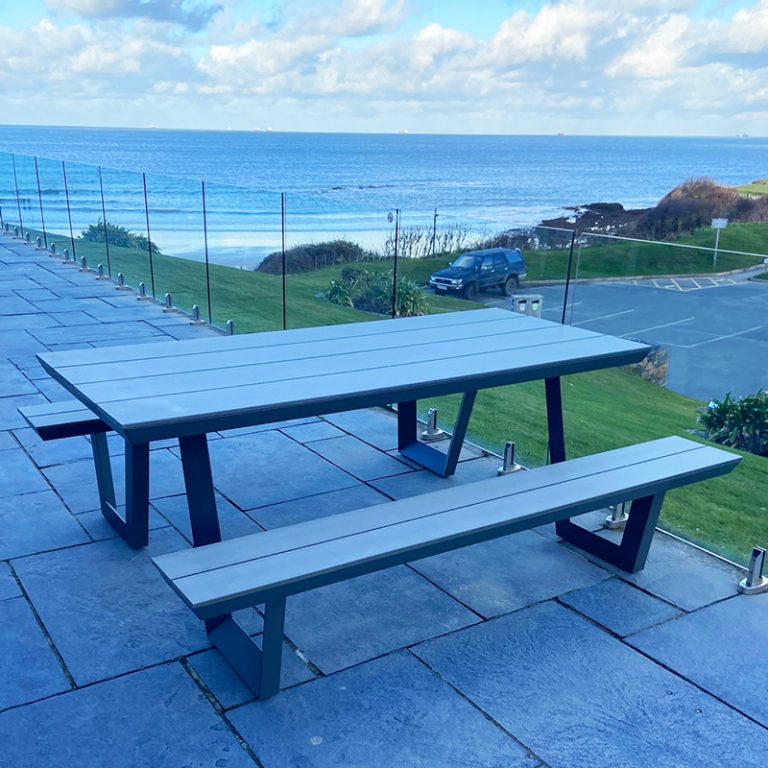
(717, 225)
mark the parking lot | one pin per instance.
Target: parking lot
(717, 336)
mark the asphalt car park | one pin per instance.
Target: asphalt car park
(716, 335)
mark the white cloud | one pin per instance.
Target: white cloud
(659, 54)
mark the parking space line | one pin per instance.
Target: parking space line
(656, 327)
(603, 317)
(722, 338)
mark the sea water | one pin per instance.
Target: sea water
(312, 186)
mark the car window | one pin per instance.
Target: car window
(499, 262)
(487, 263)
(466, 261)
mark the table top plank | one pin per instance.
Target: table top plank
(217, 359)
(256, 367)
(226, 407)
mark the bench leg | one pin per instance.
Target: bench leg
(258, 667)
(443, 464)
(631, 554)
(134, 528)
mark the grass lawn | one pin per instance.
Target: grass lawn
(756, 188)
(603, 409)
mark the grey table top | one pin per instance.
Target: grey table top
(155, 391)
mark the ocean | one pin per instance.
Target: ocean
(338, 185)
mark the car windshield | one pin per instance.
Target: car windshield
(467, 262)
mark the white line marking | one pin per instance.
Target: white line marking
(603, 317)
(722, 338)
(656, 327)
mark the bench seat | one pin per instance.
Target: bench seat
(53, 421)
(220, 578)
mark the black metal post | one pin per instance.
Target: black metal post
(69, 211)
(394, 269)
(106, 228)
(282, 230)
(40, 201)
(149, 238)
(568, 277)
(207, 265)
(18, 201)
(434, 231)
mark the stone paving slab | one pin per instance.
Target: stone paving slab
(263, 468)
(36, 522)
(620, 607)
(157, 718)
(506, 574)
(379, 428)
(108, 609)
(359, 459)
(18, 475)
(390, 712)
(9, 587)
(341, 624)
(52, 452)
(309, 433)
(721, 648)
(575, 696)
(28, 668)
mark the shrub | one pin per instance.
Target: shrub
(304, 258)
(738, 423)
(117, 235)
(372, 292)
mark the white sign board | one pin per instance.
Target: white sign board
(719, 223)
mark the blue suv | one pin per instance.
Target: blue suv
(475, 270)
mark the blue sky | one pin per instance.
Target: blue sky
(640, 67)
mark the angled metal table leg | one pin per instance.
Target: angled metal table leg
(555, 432)
(134, 528)
(201, 497)
(632, 552)
(430, 458)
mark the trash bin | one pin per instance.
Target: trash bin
(527, 304)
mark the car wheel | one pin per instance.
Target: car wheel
(510, 285)
(470, 291)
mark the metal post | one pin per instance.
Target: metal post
(394, 269)
(196, 314)
(106, 228)
(432, 432)
(66, 254)
(568, 277)
(52, 248)
(142, 291)
(168, 303)
(69, 210)
(83, 264)
(434, 231)
(508, 465)
(16, 184)
(149, 236)
(230, 327)
(282, 230)
(755, 583)
(100, 272)
(40, 201)
(618, 517)
(121, 286)
(207, 266)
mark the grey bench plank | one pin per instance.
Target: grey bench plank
(53, 421)
(282, 539)
(154, 418)
(258, 368)
(259, 364)
(226, 588)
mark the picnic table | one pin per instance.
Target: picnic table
(188, 389)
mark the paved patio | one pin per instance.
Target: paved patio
(516, 652)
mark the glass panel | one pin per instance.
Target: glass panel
(177, 241)
(706, 327)
(243, 226)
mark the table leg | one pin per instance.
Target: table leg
(556, 435)
(134, 528)
(430, 458)
(201, 498)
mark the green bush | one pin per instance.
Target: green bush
(117, 236)
(372, 292)
(304, 258)
(738, 423)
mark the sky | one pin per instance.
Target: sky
(610, 67)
